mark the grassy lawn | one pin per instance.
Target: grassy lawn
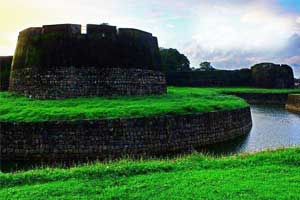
(266, 175)
(177, 101)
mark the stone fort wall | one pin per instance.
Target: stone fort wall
(63, 62)
(5, 68)
(73, 82)
(218, 78)
(263, 75)
(114, 138)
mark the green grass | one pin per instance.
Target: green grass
(256, 90)
(178, 101)
(265, 175)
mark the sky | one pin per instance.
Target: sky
(231, 34)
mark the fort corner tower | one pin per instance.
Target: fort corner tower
(58, 61)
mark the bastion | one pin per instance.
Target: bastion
(293, 103)
(5, 67)
(60, 61)
(269, 75)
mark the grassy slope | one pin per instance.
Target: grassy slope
(178, 100)
(266, 175)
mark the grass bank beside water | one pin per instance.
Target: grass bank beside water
(265, 175)
(16, 108)
(256, 90)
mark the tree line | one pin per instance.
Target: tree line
(174, 61)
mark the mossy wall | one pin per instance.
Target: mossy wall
(5, 68)
(102, 46)
(269, 75)
(58, 61)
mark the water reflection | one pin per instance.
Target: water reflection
(273, 127)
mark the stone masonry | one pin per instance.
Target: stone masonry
(86, 82)
(114, 138)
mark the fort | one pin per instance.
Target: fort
(59, 61)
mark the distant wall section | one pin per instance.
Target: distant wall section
(263, 75)
(218, 78)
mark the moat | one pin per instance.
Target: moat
(273, 127)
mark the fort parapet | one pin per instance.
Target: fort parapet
(59, 61)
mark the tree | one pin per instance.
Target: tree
(173, 60)
(206, 66)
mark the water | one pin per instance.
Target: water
(273, 128)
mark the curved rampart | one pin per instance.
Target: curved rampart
(112, 138)
(72, 82)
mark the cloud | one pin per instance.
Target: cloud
(233, 35)
(244, 26)
(170, 25)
